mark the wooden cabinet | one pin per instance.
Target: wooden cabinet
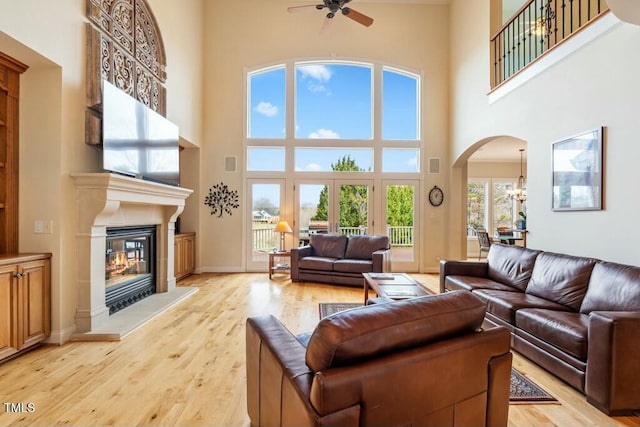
(185, 255)
(10, 71)
(25, 302)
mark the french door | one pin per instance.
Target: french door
(399, 201)
(267, 198)
(333, 206)
(348, 207)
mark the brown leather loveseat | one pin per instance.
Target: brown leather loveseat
(340, 259)
(577, 317)
(422, 361)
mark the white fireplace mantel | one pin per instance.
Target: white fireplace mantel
(111, 200)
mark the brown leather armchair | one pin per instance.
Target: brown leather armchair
(422, 361)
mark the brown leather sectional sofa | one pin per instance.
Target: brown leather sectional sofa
(419, 362)
(577, 317)
(340, 259)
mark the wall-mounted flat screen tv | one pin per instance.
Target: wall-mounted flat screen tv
(136, 140)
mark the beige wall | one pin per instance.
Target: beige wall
(508, 170)
(182, 26)
(50, 38)
(254, 33)
(596, 85)
(208, 51)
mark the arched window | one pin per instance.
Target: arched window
(334, 112)
(333, 146)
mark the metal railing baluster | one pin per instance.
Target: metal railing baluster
(537, 27)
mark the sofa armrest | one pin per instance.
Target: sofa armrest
(381, 261)
(277, 375)
(613, 379)
(461, 268)
(296, 255)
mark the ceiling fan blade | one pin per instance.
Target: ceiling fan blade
(357, 16)
(326, 25)
(307, 8)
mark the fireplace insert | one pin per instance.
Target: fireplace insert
(129, 266)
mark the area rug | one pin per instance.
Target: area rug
(329, 308)
(522, 389)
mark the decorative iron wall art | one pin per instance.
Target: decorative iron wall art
(220, 199)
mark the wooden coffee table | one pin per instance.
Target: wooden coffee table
(396, 286)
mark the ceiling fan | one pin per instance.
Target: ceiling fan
(334, 6)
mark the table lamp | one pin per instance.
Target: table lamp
(282, 227)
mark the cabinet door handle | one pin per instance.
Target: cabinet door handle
(18, 275)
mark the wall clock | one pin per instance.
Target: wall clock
(436, 196)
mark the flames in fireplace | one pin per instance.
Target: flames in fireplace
(121, 265)
(129, 266)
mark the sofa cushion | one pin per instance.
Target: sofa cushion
(561, 278)
(565, 330)
(504, 304)
(362, 247)
(328, 245)
(470, 283)
(353, 265)
(511, 264)
(316, 263)
(612, 287)
(353, 335)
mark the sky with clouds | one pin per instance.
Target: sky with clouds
(333, 101)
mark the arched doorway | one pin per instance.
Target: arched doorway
(486, 177)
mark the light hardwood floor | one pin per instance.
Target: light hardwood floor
(186, 366)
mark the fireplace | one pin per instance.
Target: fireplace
(107, 202)
(130, 272)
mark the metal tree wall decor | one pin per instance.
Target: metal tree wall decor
(220, 199)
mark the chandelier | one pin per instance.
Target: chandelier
(520, 192)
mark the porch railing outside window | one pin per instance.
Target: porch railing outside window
(265, 239)
(537, 27)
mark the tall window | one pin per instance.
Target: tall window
(332, 115)
(400, 105)
(489, 205)
(333, 101)
(332, 133)
(476, 206)
(266, 104)
(503, 205)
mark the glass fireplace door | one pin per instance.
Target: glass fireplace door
(129, 266)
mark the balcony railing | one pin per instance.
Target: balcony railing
(537, 27)
(264, 238)
(400, 235)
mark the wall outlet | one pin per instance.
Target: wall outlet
(41, 226)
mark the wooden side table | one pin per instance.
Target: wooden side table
(279, 267)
